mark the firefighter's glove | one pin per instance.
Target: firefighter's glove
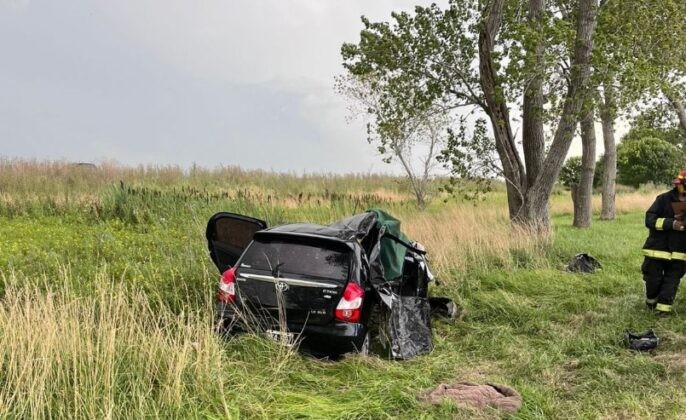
(677, 225)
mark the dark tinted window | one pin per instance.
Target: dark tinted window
(228, 235)
(298, 258)
(235, 232)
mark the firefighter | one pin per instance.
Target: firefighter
(665, 248)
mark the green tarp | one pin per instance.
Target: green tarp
(392, 252)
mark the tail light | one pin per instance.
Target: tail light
(227, 286)
(349, 309)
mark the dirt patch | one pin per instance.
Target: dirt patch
(673, 338)
(582, 320)
(675, 362)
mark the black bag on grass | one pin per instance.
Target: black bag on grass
(644, 341)
(583, 263)
(443, 307)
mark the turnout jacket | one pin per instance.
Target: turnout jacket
(663, 242)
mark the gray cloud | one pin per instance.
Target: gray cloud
(169, 81)
(213, 82)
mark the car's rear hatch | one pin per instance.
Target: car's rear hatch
(304, 276)
(228, 234)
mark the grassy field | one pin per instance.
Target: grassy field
(107, 304)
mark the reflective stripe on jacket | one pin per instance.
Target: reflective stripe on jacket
(663, 243)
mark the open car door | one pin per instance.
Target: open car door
(228, 235)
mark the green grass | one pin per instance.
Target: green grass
(108, 313)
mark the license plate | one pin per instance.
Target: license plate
(287, 338)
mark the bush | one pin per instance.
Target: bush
(647, 160)
(570, 174)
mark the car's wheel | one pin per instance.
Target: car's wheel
(376, 340)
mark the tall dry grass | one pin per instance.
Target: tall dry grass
(111, 355)
(625, 202)
(104, 356)
(466, 236)
(470, 236)
(36, 176)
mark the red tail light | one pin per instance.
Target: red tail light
(349, 309)
(227, 286)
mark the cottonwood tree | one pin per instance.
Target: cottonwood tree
(657, 121)
(470, 155)
(638, 49)
(672, 90)
(456, 58)
(677, 102)
(623, 69)
(414, 139)
(583, 193)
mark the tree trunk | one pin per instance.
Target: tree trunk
(574, 189)
(529, 207)
(533, 139)
(420, 195)
(678, 105)
(513, 169)
(607, 116)
(538, 195)
(583, 204)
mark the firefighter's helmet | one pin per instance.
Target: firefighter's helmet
(680, 180)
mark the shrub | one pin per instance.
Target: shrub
(570, 174)
(647, 160)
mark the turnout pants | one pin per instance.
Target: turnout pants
(662, 279)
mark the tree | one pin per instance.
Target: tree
(608, 114)
(678, 103)
(583, 192)
(659, 122)
(456, 58)
(570, 174)
(648, 160)
(638, 52)
(399, 139)
(469, 155)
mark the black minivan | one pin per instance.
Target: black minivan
(312, 284)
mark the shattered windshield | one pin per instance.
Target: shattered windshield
(312, 260)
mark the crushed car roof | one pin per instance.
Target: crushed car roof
(350, 229)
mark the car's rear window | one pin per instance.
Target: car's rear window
(312, 260)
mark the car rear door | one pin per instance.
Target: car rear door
(304, 277)
(228, 234)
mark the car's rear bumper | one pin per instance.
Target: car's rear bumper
(333, 339)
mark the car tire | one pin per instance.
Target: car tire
(376, 340)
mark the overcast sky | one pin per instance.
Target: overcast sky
(215, 82)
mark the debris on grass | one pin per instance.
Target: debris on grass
(476, 396)
(583, 263)
(644, 341)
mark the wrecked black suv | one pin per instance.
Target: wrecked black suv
(332, 289)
